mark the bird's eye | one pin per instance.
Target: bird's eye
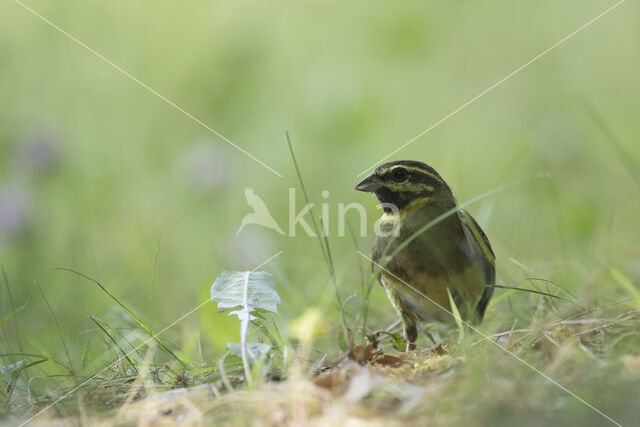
(399, 174)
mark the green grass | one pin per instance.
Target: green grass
(100, 177)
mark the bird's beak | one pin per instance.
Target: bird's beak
(370, 184)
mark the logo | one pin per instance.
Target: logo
(386, 226)
(260, 215)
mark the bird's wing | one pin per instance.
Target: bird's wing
(474, 232)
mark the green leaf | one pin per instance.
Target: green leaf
(248, 291)
(255, 350)
(398, 342)
(228, 291)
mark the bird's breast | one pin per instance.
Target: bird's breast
(422, 274)
(428, 297)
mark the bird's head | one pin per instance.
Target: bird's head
(408, 184)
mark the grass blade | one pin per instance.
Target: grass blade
(85, 355)
(306, 199)
(533, 291)
(130, 313)
(55, 320)
(456, 314)
(324, 242)
(16, 374)
(626, 284)
(13, 309)
(98, 323)
(11, 315)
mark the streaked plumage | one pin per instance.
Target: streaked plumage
(453, 256)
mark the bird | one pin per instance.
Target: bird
(260, 214)
(428, 252)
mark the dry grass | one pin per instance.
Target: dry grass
(463, 381)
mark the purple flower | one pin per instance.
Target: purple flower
(37, 152)
(15, 211)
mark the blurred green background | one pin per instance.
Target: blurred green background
(99, 175)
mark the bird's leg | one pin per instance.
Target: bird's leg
(410, 329)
